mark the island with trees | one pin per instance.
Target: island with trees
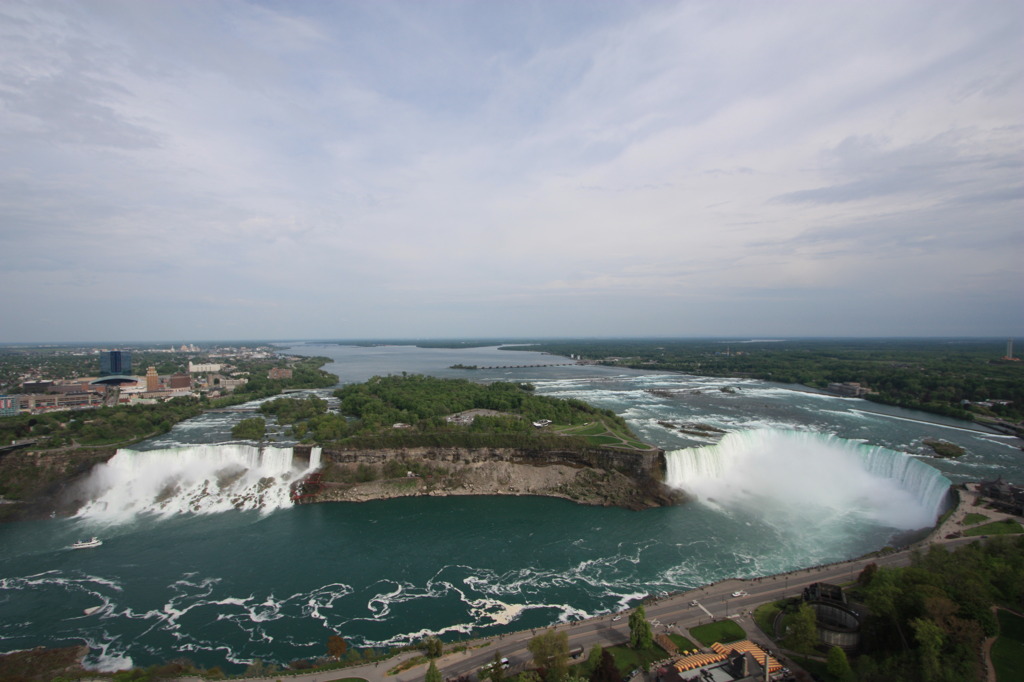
(419, 435)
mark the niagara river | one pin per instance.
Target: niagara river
(204, 556)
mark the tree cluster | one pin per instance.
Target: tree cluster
(254, 428)
(418, 399)
(928, 621)
(101, 426)
(292, 410)
(370, 412)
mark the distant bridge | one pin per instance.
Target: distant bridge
(558, 364)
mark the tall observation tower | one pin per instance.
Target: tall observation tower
(1009, 350)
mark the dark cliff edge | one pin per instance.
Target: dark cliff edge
(46, 483)
(597, 476)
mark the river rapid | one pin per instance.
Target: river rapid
(800, 478)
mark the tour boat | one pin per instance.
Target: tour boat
(92, 609)
(83, 544)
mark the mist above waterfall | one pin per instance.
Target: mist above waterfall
(196, 479)
(818, 481)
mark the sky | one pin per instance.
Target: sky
(228, 169)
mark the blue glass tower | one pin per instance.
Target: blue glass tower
(115, 362)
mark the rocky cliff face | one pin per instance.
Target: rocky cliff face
(37, 484)
(638, 464)
(595, 477)
(32, 482)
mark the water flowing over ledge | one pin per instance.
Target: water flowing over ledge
(199, 479)
(811, 478)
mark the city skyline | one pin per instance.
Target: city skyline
(401, 170)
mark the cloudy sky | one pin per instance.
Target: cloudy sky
(224, 169)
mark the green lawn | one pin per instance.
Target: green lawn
(1008, 650)
(765, 615)
(971, 519)
(996, 528)
(627, 659)
(683, 643)
(601, 434)
(721, 631)
(587, 429)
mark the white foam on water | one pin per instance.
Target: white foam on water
(811, 479)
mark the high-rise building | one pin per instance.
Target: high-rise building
(115, 362)
(152, 380)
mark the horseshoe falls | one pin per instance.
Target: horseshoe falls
(817, 482)
(196, 479)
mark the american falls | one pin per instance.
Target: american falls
(195, 479)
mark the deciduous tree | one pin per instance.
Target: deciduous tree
(640, 635)
(551, 653)
(336, 646)
(839, 666)
(606, 670)
(433, 674)
(803, 630)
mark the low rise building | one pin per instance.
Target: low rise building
(1005, 496)
(8, 405)
(851, 389)
(179, 381)
(46, 402)
(204, 368)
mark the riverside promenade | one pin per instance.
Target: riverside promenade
(669, 614)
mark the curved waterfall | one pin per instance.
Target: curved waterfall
(196, 479)
(819, 477)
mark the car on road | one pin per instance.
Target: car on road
(693, 603)
(618, 617)
(739, 593)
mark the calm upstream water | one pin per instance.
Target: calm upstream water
(224, 588)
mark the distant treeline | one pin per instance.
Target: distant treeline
(932, 375)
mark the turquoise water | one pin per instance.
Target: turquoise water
(225, 588)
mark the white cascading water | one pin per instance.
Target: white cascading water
(195, 479)
(819, 478)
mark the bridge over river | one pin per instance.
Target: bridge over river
(556, 364)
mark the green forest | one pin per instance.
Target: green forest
(408, 410)
(927, 622)
(926, 374)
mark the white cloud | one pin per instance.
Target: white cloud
(492, 166)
